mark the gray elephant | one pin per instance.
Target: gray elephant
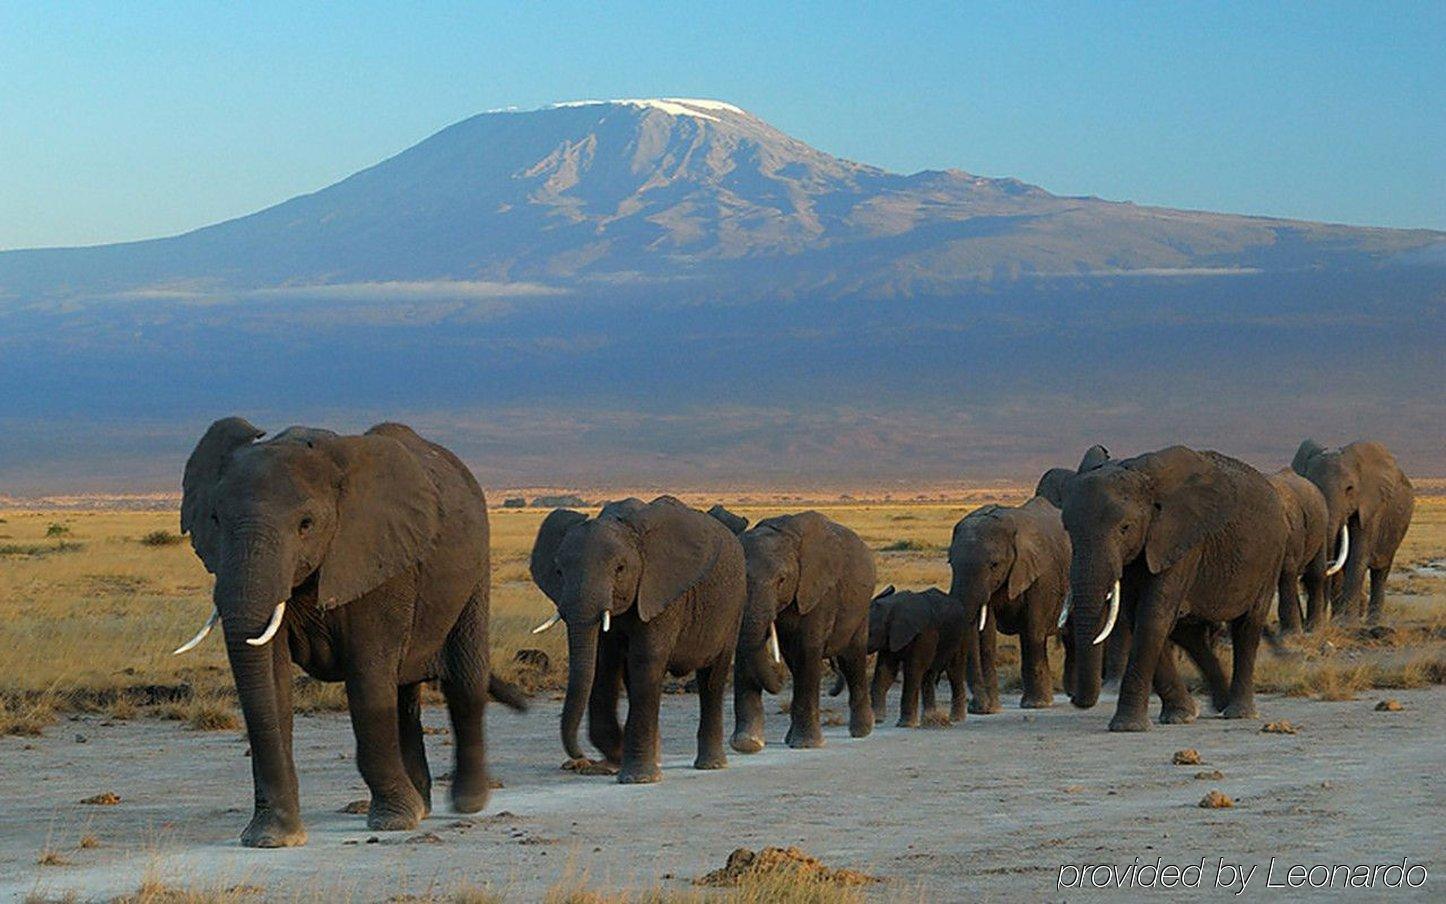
(1369, 503)
(362, 559)
(1180, 541)
(816, 578)
(1053, 482)
(645, 589)
(735, 523)
(922, 635)
(1011, 574)
(1305, 552)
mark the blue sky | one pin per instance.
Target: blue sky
(123, 121)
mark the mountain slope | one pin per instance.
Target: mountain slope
(698, 195)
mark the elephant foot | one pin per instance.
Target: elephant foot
(936, 718)
(907, 722)
(1036, 701)
(469, 794)
(1122, 722)
(268, 830)
(1179, 715)
(1239, 711)
(958, 713)
(984, 707)
(711, 759)
(746, 742)
(640, 775)
(394, 816)
(861, 725)
(804, 740)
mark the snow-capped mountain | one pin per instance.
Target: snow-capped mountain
(696, 193)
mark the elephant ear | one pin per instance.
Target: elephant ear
(203, 469)
(679, 547)
(887, 591)
(387, 512)
(1030, 558)
(736, 523)
(544, 549)
(1184, 516)
(1308, 449)
(820, 560)
(905, 623)
(1094, 457)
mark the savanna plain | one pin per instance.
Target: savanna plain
(125, 776)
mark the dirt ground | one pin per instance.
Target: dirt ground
(986, 810)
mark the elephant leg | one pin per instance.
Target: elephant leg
(1177, 706)
(913, 679)
(1034, 670)
(884, 670)
(712, 684)
(646, 671)
(958, 698)
(1288, 603)
(747, 709)
(464, 684)
(372, 699)
(414, 750)
(1067, 639)
(1155, 616)
(806, 663)
(986, 693)
(1245, 643)
(930, 701)
(1117, 654)
(1195, 639)
(603, 728)
(1317, 612)
(854, 663)
(1378, 594)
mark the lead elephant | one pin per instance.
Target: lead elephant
(1180, 541)
(1369, 503)
(362, 559)
(645, 589)
(1010, 574)
(922, 635)
(1305, 552)
(815, 578)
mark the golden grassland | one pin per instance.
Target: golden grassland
(92, 603)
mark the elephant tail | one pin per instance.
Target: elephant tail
(838, 679)
(506, 693)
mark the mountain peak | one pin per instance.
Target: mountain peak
(700, 108)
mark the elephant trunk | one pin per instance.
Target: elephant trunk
(1353, 580)
(1091, 590)
(581, 666)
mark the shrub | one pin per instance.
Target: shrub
(56, 529)
(514, 502)
(161, 538)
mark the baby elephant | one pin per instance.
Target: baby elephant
(1011, 573)
(922, 634)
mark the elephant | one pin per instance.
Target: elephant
(735, 523)
(1305, 552)
(1182, 541)
(1010, 575)
(1369, 503)
(645, 589)
(1052, 483)
(362, 559)
(922, 634)
(814, 578)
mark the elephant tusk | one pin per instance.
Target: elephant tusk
(773, 649)
(1114, 614)
(983, 615)
(607, 620)
(556, 617)
(194, 642)
(271, 627)
(1340, 561)
(1064, 612)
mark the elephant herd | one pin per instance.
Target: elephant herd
(364, 560)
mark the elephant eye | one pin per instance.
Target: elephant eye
(620, 568)
(215, 519)
(305, 525)
(1125, 528)
(994, 564)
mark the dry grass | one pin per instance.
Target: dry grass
(93, 628)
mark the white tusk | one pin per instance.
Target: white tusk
(271, 627)
(983, 614)
(607, 620)
(773, 643)
(194, 642)
(556, 617)
(1064, 613)
(1340, 561)
(1114, 614)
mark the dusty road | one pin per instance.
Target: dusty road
(987, 810)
